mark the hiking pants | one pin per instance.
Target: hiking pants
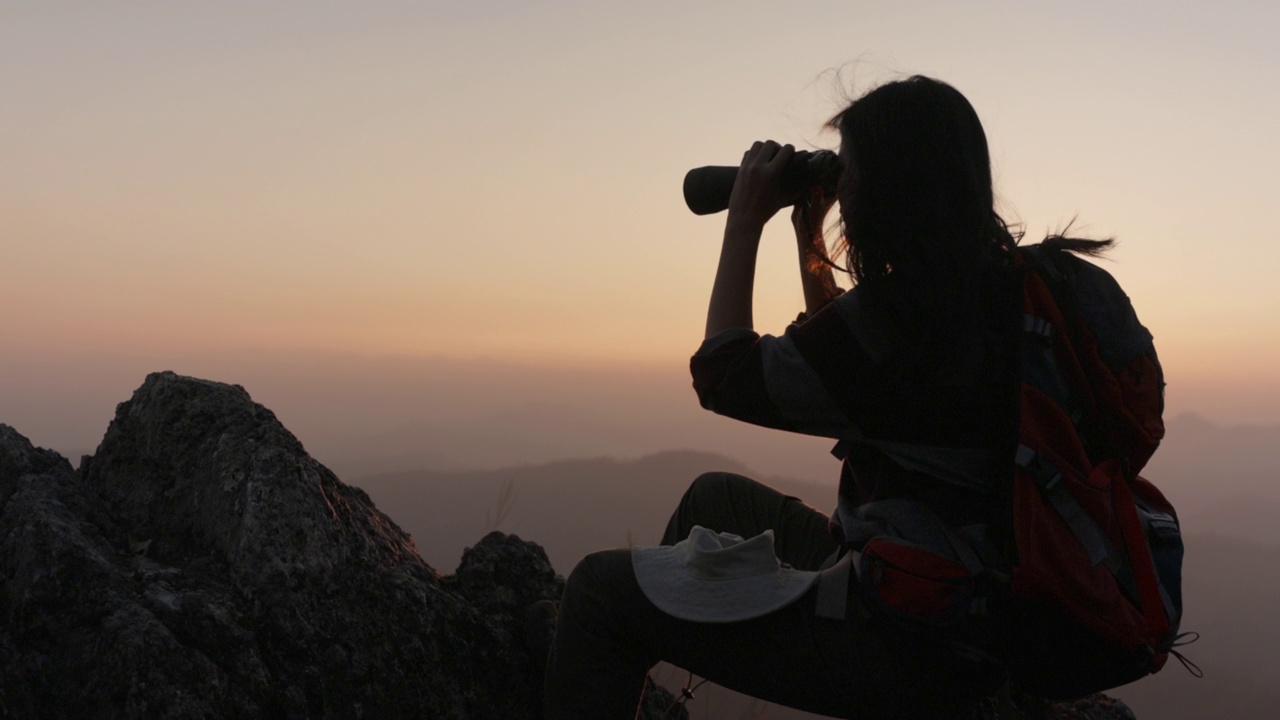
(609, 634)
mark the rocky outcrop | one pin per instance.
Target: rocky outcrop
(202, 565)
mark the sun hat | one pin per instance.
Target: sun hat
(718, 577)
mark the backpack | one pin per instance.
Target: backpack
(1095, 550)
(1081, 576)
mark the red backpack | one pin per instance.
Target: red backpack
(1095, 550)
(1082, 574)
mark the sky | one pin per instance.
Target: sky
(481, 180)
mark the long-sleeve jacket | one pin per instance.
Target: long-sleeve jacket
(933, 434)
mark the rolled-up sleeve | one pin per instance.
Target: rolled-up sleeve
(729, 377)
(805, 380)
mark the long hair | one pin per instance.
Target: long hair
(921, 234)
(917, 187)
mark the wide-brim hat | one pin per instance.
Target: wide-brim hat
(718, 577)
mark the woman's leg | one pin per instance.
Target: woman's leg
(726, 502)
(610, 635)
(595, 669)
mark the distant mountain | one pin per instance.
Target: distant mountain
(366, 415)
(542, 432)
(1253, 516)
(1224, 480)
(1200, 462)
(570, 507)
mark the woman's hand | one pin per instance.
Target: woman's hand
(757, 193)
(807, 218)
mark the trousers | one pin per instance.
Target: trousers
(609, 634)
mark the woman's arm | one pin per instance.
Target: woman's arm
(815, 273)
(732, 294)
(755, 199)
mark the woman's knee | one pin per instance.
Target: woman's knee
(711, 488)
(595, 576)
(710, 502)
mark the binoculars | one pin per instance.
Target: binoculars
(707, 189)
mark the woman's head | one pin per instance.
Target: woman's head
(916, 197)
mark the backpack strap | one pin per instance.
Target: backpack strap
(1054, 266)
(1039, 364)
(1100, 549)
(833, 583)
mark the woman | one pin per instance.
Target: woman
(910, 370)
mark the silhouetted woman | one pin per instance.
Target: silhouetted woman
(917, 355)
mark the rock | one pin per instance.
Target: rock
(200, 564)
(1025, 707)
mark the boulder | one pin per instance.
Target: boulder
(202, 565)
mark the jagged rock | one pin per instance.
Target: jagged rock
(1094, 707)
(202, 565)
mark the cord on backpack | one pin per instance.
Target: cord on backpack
(1190, 665)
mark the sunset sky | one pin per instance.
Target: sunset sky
(502, 179)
